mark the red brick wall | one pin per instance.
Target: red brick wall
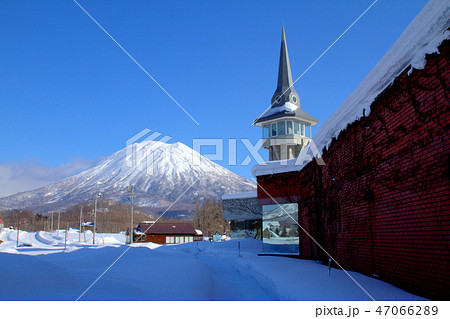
(381, 204)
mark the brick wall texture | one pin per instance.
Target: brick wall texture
(381, 204)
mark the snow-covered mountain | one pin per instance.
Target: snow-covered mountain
(160, 173)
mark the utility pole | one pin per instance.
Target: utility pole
(65, 238)
(95, 213)
(59, 219)
(131, 189)
(18, 227)
(79, 227)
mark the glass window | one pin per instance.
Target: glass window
(250, 228)
(289, 129)
(308, 131)
(177, 240)
(266, 131)
(274, 130)
(170, 240)
(190, 239)
(281, 128)
(302, 133)
(280, 229)
(297, 128)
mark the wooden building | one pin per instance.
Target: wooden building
(167, 233)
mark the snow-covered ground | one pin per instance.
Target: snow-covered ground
(191, 271)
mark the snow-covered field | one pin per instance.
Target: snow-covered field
(43, 270)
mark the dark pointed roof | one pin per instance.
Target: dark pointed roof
(284, 67)
(285, 90)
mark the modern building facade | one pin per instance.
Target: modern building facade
(244, 215)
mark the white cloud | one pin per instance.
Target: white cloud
(28, 175)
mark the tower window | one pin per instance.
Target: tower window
(308, 131)
(289, 129)
(266, 131)
(294, 99)
(303, 130)
(281, 128)
(274, 130)
(296, 128)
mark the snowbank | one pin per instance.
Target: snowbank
(230, 270)
(42, 243)
(44, 238)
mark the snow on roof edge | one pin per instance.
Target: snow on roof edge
(239, 195)
(423, 35)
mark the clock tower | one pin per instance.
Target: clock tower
(286, 126)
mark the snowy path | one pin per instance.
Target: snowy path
(191, 271)
(230, 284)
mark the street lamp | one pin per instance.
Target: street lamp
(96, 195)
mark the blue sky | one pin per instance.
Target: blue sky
(70, 95)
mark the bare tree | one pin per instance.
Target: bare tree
(208, 217)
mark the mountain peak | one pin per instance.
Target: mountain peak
(160, 172)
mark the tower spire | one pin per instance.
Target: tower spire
(286, 127)
(285, 91)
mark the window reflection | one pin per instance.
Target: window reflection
(280, 229)
(274, 130)
(250, 228)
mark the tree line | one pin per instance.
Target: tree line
(114, 217)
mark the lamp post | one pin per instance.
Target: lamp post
(97, 194)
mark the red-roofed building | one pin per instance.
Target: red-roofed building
(167, 233)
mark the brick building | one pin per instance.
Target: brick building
(381, 203)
